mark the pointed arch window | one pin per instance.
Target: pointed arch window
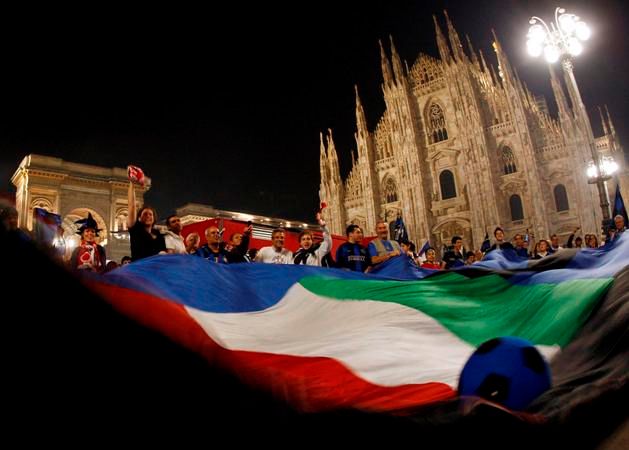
(389, 191)
(437, 131)
(508, 161)
(561, 198)
(448, 188)
(515, 203)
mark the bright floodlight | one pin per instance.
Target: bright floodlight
(551, 53)
(534, 48)
(574, 47)
(609, 166)
(582, 31)
(537, 34)
(559, 41)
(567, 23)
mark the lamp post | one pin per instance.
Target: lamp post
(561, 42)
(599, 175)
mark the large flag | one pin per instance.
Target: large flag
(399, 231)
(486, 245)
(97, 357)
(323, 339)
(46, 226)
(619, 206)
(424, 248)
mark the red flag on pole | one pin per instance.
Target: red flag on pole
(135, 174)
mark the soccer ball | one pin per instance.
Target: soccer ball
(506, 370)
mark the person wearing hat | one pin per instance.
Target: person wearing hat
(88, 255)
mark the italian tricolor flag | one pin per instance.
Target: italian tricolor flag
(323, 339)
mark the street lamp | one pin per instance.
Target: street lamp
(599, 175)
(560, 42)
(608, 168)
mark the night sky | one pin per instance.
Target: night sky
(224, 107)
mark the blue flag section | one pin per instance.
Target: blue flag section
(619, 206)
(45, 226)
(425, 247)
(486, 245)
(399, 231)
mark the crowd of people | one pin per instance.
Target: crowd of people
(148, 240)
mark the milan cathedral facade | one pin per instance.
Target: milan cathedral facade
(462, 148)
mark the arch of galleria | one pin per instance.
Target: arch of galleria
(72, 190)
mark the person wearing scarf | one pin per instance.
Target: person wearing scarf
(309, 254)
(88, 255)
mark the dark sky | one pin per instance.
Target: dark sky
(225, 106)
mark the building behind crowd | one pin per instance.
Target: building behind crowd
(463, 147)
(73, 190)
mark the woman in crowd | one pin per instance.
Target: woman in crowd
(146, 240)
(591, 241)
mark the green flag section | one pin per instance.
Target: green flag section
(479, 309)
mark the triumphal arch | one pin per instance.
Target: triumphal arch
(73, 190)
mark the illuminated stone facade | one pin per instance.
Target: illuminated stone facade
(72, 190)
(462, 148)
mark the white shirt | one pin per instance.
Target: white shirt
(270, 256)
(323, 250)
(175, 243)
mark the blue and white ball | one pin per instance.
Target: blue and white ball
(506, 370)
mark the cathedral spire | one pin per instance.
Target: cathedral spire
(332, 187)
(397, 63)
(486, 71)
(358, 102)
(482, 60)
(494, 77)
(560, 98)
(322, 154)
(387, 75)
(331, 148)
(361, 119)
(333, 160)
(504, 67)
(528, 95)
(455, 42)
(521, 87)
(610, 123)
(472, 52)
(444, 51)
(323, 167)
(603, 123)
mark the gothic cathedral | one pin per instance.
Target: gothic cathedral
(462, 148)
